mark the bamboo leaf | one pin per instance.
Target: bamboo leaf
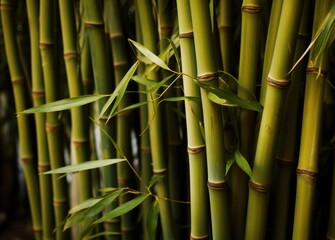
(154, 179)
(231, 97)
(84, 205)
(152, 219)
(144, 81)
(242, 163)
(214, 98)
(64, 104)
(120, 89)
(155, 87)
(74, 219)
(229, 162)
(152, 57)
(131, 107)
(122, 209)
(85, 166)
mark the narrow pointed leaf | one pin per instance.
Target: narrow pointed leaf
(242, 162)
(152, 220)
(154, 179)
(85, 166)
(214, 98)
(84, 205)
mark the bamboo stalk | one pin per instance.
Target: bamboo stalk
(53, 124)
(287, 151)
(156, 129)
(195, 141)
(38, 96)
(262, 175)
(24, 122)
(307, 169)
(216, 165)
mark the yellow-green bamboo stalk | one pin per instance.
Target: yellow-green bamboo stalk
(38, 95)
(101, 71)
(307, 169)
(331, 219)
(195, 141)
(213, 124)
(24, 122)
(248, 73)
(270, 43)
(156, 129)
(262, 175)
(123, 120)
(53, 124)
(288, 138)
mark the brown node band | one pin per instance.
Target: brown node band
(196, 149)
(225, 27)
(208, 76)
(284, 163)
(44, 45)
(259, 187)
(59, 202)
(217, 185)
(166, 29)
(316, 70)
(251, 8)
(70, 55)
(145, 149)
(17, 81)
(38, 94)
(159, 171)
(307, 173)
(198, 238)
(78, 143)
(43, 167)
(186, 35)
(279, 83)
(26, 160)
(52, 127)
(118, 35)
(37, 230)
(94, 24)
(120, 65)
(6, 6)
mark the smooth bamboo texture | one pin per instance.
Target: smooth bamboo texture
(307, 169)
(287, 151)
(123, 120)
(24, 122)
(38, 96)
(195, 140)
(155, 120)
(53, 123)
(262, 175)
(213, 125)
(103, 85)
(248, 74)
(331, 219)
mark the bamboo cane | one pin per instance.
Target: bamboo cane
(38, 95)
(195, 141)
(216, 165)
(262, 175)
(307, 169)
(23, 122)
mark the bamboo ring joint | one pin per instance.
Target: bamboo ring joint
(90, 24)
(208, 76)
(59, 202)
(38, 94)
(262, 188)
(43, 167)
(284, 163)
(198, 237)
(217, 185)
(278, 83)
(17, 81)
(196, 149)
(6, 6)
(307, 173)
(159, 171)
(251, 8)
(316, 70)
(186, 35)
(52, 127)
(70, 55)
(117, 35)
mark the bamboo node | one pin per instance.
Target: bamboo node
(90, 24)
(59, 202)
(208, 76)
(251, 8)
(226, 27)
(196, 149)
(26, 160)
(38, 93)
(17, 81)
(279, 83)
(317, 71)
(43, 167)
(70, 55)
(186, 35)
(52, 127)
(198, 237)
(145, 149)
(120, 65)
(44, 45)
(6, 6)
(159, 171)
(217, 185)
(37, 230)
(262, 188)
(81, 142)
(166, 30)
(285, 163)
(112, 221)
(306, 172)
(116, 35)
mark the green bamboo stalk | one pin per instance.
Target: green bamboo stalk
(310, 134)
(331, 219)
(24, 122)
(288, 138)
(262, 175)
(123, 120)
(38, 96)
(156, 129)
(270, 43)
(53, 124)
(248, 73)
(195, 141)
(101, 71)
(216, 164)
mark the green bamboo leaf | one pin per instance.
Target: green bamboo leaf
(122, 209)
(156, 86)
(131, 107)
(64, 104)
(84, 205)
(231, 97)
(242, 163)
(144, 81)
(175, 53)
(120, 89)
(154, 179)
(229, 161)
(85, 166)
(214, 98)
(74, 219)
(152, 220)
(152, 57)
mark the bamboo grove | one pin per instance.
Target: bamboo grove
(185, 119)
